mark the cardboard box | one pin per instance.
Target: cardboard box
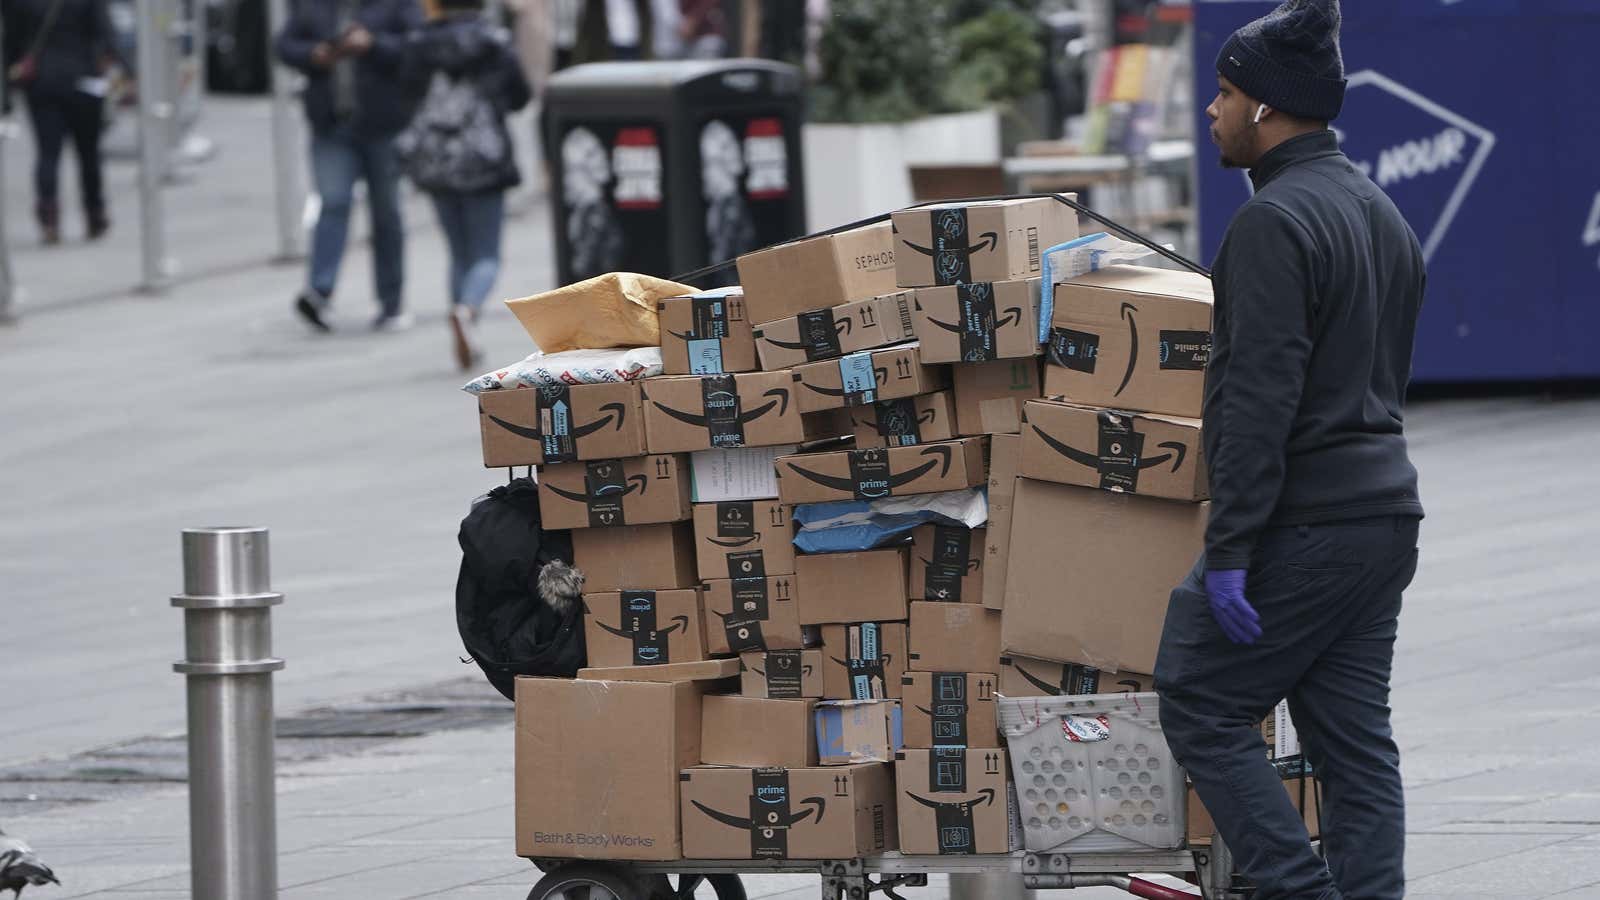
(1091, 571)
(754, 614)
(829, 424)
(579, 740)
(989, 395)
(878, 473)
(866, 377)
(1092, 351)
(655, 557)
(863, 661)
(1135, 453)
(1023, 677)
(947, 563)
(837, 812)
(706, 333)
(712, 671)
(750, 409)
(1004, 456)
(643, 628)
(782, 674)
(610, 493)
(950, 709)
(818, 272)
(560, 423)
(834, 331)
(955, 802)
(744, 473)
(869, 586)
(858, 731)
(751, 731)
(906, 422)
(960, 243)
(743, 539)
(978, 322)
(954, 637)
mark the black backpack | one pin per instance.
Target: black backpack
(508, 629)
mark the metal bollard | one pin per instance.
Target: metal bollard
(988, 886)
(227, 629)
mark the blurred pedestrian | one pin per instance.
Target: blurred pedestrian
(359, 96)
(702, 27)
(460, 151)
(59, 53)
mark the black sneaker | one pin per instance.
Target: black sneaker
(311, 311)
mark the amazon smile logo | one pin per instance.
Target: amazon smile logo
(841, 328)
(1128, 309)
(989, 240)
(813, 808)
(615, 413)
(741, 542)
(940, 458)
(635, 484)
(1128, 685)
(984, 797)
(880, 374)
(679, 623)
(1176, 452)
(781, 401)
(1011, 318)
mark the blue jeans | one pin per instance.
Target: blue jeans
(338, 159)
(472, 225)
(1329, 600)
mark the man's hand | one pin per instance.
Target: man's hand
(356, 42)
(324, 55)
(1235, 615)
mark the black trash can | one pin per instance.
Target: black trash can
(664, 167)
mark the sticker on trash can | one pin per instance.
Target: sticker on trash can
(556, 440)
(720, 396)
(1086, 729)
(857, 380)
(636, 160)
(1075, 350)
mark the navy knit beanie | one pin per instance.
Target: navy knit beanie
(1289, 59)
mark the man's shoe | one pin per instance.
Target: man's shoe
(464, 333)
(393, 323)
(310, 310)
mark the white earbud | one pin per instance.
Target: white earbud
(1260, 111)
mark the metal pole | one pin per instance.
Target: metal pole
(290, 196)
(227, 605)
(155, 120)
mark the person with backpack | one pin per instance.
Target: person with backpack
(58, 53)
(459, 150)
(359, 94)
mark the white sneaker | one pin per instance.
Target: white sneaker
(464, 335)
(393, 323)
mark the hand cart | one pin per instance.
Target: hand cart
(857, 879)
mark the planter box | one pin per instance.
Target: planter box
(856, 171)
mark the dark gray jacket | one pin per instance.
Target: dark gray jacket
(1318, 285)
(387, 88)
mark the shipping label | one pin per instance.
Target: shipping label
(856, 378)
(557, 442)
(865, 662)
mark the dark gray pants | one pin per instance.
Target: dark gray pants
(1329, 600)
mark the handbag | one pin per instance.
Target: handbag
(27, 68)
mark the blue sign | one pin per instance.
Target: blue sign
(1477, 118)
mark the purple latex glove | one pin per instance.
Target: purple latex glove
(1238, 619)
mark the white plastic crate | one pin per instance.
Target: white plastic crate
(1094, 773)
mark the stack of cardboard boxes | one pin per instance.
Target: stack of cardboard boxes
(749, 701)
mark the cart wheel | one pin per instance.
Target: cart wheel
(694, 887)
(589, 882)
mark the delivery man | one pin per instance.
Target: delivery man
(1314, 507)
